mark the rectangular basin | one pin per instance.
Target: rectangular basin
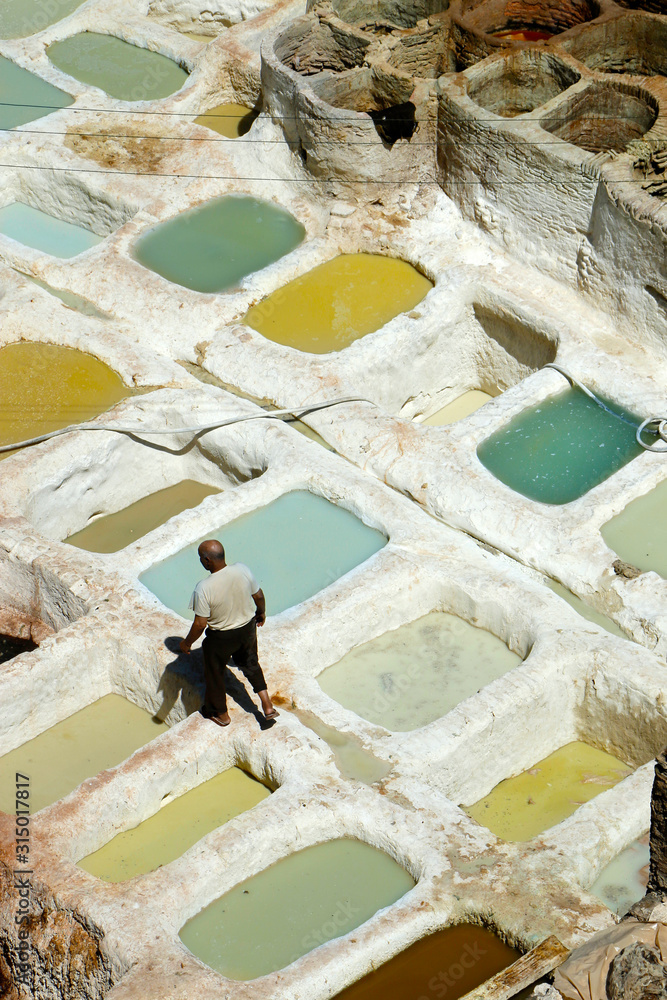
(521, 807)
(58, 760)
(560, 449)
(44, 232)
(310, 897)
(639, 533)
(447, 964)
(116, 531)
(176, 826)
(24, 97)
(295, 546)
(408, 677)
(623, 882)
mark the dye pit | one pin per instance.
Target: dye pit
(44, 232)
(338, 302)
(229, 120)
(456, 959)
(63, 387)
(297, 546)
(560, 449)
(407, 678)
(19, 18)
(638, 533)
(214, 247)
(302, 901)
(521, 807)
(178, 824)
(24, 97)
(116, 531)
(91, 740)
(124, 71)
(465, 404)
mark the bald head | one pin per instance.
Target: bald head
(211, 555)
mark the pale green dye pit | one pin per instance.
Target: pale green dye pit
(58, 760)
(24, 97)
(44, 232)
(585, 610)
(623, 882)
(215, 246)
(20, 18)
(176, 826)
(560, 449)
(295, 546)
(286, 910)
(127, 72)
(639, 533)
(412, 675)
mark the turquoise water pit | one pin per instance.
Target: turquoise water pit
(298, 903)
(295, 546)
(40, 231)
(560, 449)
(24, 97)
(127, 72)
(213, 247)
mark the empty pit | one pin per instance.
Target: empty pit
(297, 546)
(46, 233)
(637, 535)
(338, 302)
(20, 18)
(116, 531)
(521, 82)
(603, 118)
(91, 740)
(177, 825)
(44, 387)
(11, 647)
(408, 677)
(550, 17)
(215, 246)
(229, 120)
(310, 46)
(275, 917)
(383, 96)
(523, 806)
(124, 71)
(624, 880)
(558, 450)
(456, 959)
(635, 45)
(25, 97)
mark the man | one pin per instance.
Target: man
(230, 602)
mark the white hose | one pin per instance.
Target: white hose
(297, 412)
(654, 425)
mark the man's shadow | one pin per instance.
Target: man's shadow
(184, 677)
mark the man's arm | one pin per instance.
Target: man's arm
(260, 604)
(198, 626)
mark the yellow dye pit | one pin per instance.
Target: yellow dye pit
(521, 807)
(59, 759)
(336, 303)
(176, 827)
(230, 120)
(44, 387)
(114, 532)
(459, 408)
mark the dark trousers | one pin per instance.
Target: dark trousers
(221, 645)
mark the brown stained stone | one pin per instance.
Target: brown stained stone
(625, 570)
(657, 881)
(637, 974)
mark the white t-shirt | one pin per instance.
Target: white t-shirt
(225, 597)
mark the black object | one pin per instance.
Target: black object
(395, 122)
